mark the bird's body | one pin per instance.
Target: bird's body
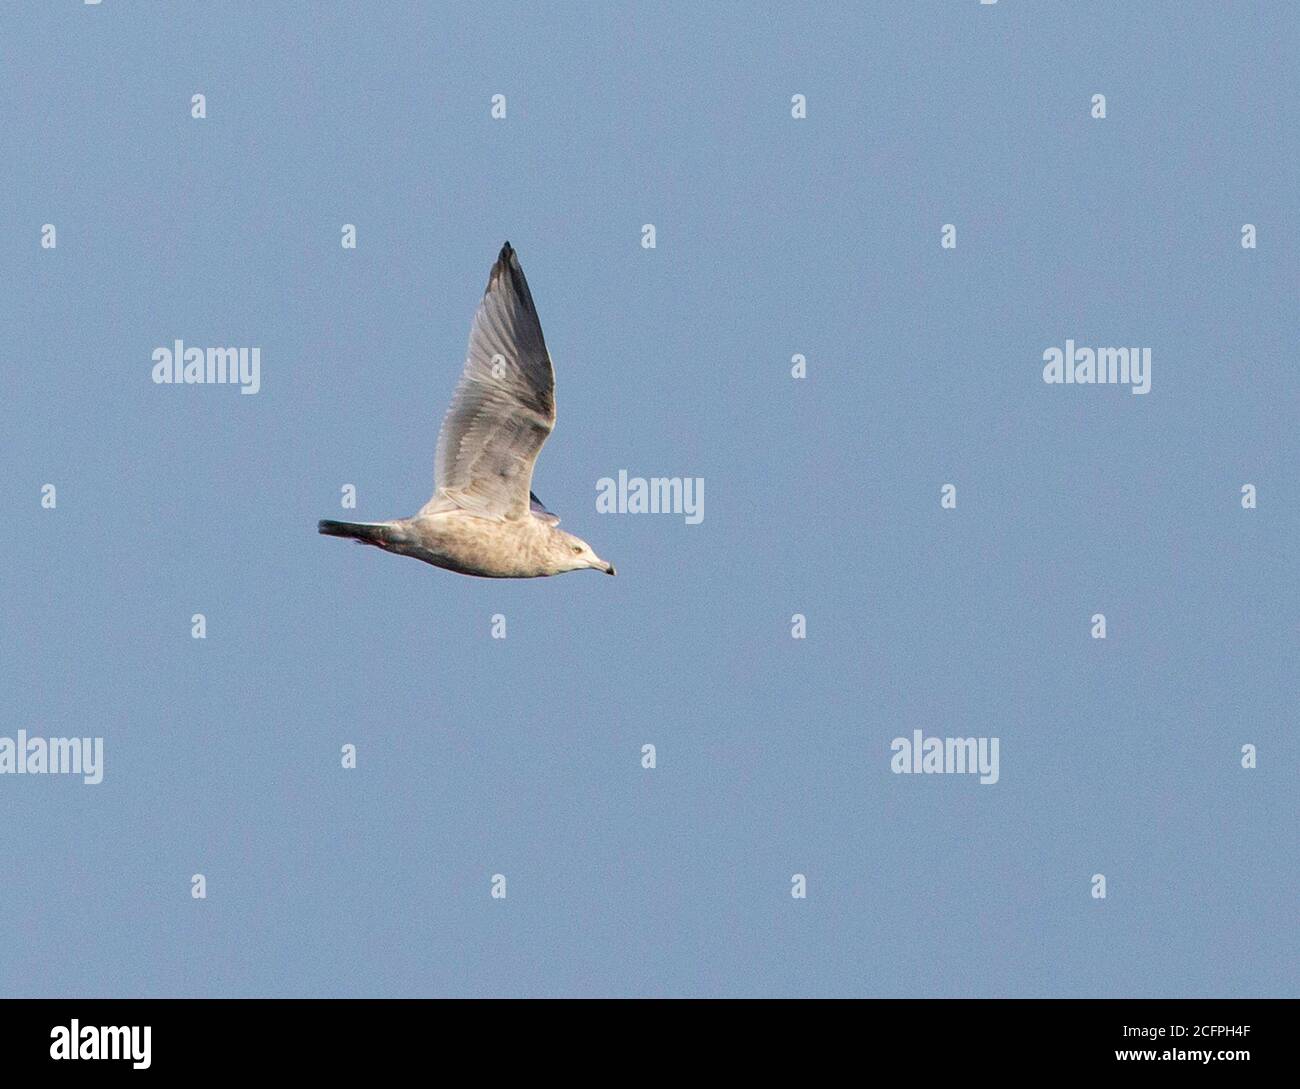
(483, 518)
(471, 545)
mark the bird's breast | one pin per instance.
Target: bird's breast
(480, 546)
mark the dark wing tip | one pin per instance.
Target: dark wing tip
(507, 267)
(507, 262)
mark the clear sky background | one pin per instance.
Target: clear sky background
(521, 756)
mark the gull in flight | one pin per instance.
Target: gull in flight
(483, 518)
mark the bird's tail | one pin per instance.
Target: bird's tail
(375, 533)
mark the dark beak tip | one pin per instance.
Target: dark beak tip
(610, 570)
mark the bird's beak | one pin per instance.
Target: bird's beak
(609, 569)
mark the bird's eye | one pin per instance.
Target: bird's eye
(577, 548)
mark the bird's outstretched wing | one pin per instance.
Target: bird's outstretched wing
(504, 406)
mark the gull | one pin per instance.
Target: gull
(483, 518)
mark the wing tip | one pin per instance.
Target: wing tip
(507, 268)
(507, 259)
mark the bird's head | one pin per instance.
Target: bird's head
(576, 554)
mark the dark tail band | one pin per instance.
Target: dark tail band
(358, 531)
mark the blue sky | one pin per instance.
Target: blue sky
(522, 756)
